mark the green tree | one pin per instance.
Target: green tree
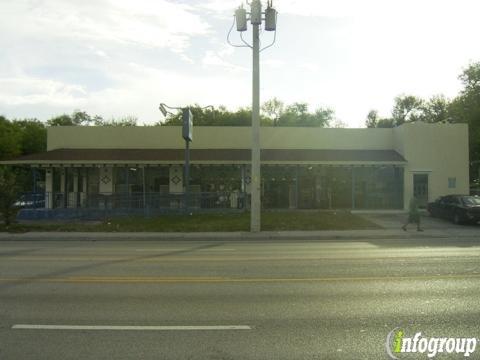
(465, 108)
(470, 78)
(273, 109)
(76, 119)
(372, 119)
(212, 117)
(62, 120)
(407, 108)
(123, 121)
(436, 109)
(297, 115)
(33, 135)
(9, 191)
(386, 123)
(10, 146)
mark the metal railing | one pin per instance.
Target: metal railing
(134, 201)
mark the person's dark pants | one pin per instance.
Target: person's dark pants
(413, 218)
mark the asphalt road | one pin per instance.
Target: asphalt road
(233, 300)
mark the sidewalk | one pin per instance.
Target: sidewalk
(391, 223)
(241, 236)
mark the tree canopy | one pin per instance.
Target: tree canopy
(465, 108)
(274, 113)
(9, 140)
(27, 136)
(21, 137)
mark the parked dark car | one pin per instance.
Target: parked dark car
(458, 208)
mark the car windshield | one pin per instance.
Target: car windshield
(471, 200)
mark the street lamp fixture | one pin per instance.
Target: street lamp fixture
(241, 18)
(187, 134)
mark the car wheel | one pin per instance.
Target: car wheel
(457, 219)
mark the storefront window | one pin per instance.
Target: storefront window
(378, 187)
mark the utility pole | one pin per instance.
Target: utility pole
(255, 207)
(270, 25)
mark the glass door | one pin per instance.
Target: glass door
(420, 189)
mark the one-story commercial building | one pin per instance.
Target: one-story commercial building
(88, 167)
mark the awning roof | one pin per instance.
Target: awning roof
(158, 156)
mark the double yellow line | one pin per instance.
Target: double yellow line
(250, 258)
(206, 280)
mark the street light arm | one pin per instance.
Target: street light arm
(210, 107)
(164, 111)
(171, 107)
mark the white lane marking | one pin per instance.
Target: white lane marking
(144, 328)
(208, 250)
(166, 250)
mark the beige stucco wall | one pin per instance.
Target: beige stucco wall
(215, 137)
(439, 150)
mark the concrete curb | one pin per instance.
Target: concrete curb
(238, 236)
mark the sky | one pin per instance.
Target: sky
(117, 58)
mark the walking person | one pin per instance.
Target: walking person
(413, 215)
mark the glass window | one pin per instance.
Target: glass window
(216, 178)
(452, 183)
(278, 187)
(93, 180)
(157, 179)
(379, 187)
(471, 200)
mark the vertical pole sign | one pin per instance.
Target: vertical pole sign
(187, 134)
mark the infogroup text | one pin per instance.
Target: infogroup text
(398, 343)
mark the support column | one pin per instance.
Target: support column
(175, 185)
(83, 195)
(243, 188)
(34, 179)
(143, 189)
(75, 200)
(175, 179)
(242, 177)
(49, 188)
(106, 181)
(63, 191)
(297, 185)
(34, 187)
(292, 186)
(105, 187)
(353, 188)
(127, 180)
